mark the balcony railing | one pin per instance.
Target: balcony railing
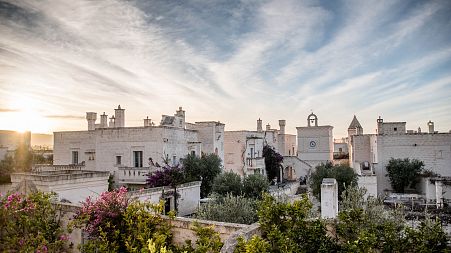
(255, 162)
(134, 175)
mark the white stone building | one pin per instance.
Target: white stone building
(129, 153)
(315, 143)
(244, 149)
(71, 183)
(392, 140)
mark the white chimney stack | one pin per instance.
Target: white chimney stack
(119, 115)
(282, 123)
(259, 125)
(91, 117)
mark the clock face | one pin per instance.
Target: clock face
(312, 144)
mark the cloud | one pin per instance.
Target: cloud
(232, 61)
(7, 110)
(64, 117)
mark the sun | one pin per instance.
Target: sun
(26, 117)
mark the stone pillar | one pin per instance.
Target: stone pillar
(439, 193)
(329, 198)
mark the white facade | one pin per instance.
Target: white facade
(315, 143)
(244, 152)
(113, 148)
(70, 183)
(244, 149)
(394, 141)
(187, 202)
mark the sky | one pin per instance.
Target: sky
(228, 61)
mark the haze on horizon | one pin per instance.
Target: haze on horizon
(228, 61)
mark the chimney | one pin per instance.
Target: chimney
(259, 125)
(431, 127)
(103, 120)
(112, 122)
(268, 127)
(119, 115)
(147, 122)
(91, 117)
(282, 123)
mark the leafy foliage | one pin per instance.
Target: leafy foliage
(404, 173)
(114, 223)
(365, 226)
(208, 241)
(254, 185)
(30, 223)
(273, 162)
(167, 176)
(227, 183)
(205, 168)
(224, 209)
(344, 175)
(286, 228)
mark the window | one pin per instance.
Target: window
(252, 152)
(193, 152)
(118, 160)
(395, 129)
(340, 150)
(174, 160)
(74, 157)
(138, 158)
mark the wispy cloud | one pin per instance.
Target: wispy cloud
(232, 61)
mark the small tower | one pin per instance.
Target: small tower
(181, 115)
(431, 127)
(312, 120)
(259, 125)
(268, 127)
(119, 115)
(103, 120)
(91, 117)
(147, 122)
(355, 128)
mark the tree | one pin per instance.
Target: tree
(205, 168)
(273, 162)
(168, 176)
(227, 182)
(254, 185)
(224, 209)
(404, 173)
(30, 223)
(344, 175)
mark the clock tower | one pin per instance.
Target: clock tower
(315, 143)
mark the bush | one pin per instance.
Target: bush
(404, 173)
(286, 228)
(344, 175)
(254, 185)
(234, 209)
(30, 223)
(227, 183)
(114, 223)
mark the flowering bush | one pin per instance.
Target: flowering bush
(115, 223)
(30, 223)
